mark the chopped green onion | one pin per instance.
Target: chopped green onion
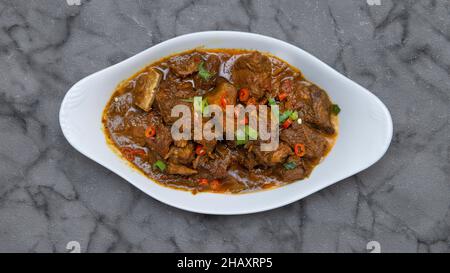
(335, 109)
(285, 115)
(241, 137)
(198, 104)
(290, 165)
(188, 100)
(205, 108)
(241, 142)
(203, 72)
(160, 165)
(252, 133)
(275, 112)
(294, 115)
(272, 101)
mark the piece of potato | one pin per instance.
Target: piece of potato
(145, 90)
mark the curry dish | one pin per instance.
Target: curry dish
(137, 121)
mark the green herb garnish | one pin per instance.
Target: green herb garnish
(242, 137)
(188, 100)
(335, 109)
(160, 165)
(285, 115)
(198, 104)
(290, 165)
(205, 108)
(275, 112)
(251, 133)
(203, 72)
(272, 101)
(294, 115)
(241, 142)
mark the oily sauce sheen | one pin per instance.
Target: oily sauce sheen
(137, 121)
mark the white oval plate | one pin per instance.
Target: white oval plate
(365, 125)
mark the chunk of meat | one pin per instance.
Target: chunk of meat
(322, 109)
(186, 64)
(173, 168)
(184, 155)
(272, 158)
(133, 129)
(297, 173)
(212, 65)
(216, 168)
(137, 135)
(180, 143)
(315, 143)
(253, 71)
(145, 87)
(171, 94)
(162, 140)
(208, 145)
(313, 105)
(298, 95)
(246, 159)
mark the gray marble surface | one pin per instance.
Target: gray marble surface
(50, 194)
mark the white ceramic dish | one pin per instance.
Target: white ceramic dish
(365, 125)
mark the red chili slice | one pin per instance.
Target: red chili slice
(223, 102)
(244, 94)
(287, 123)
(150, 132)
(299, 149)
(282, 96)
(203, 182)
(200, 151)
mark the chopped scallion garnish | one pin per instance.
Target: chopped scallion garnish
(205, 108)
(272, 101)
(198, 104)
(188, 100)
(290, 165)
(285, 115)
(335, 109)
(203, 72)
(160, 165)
(294, 115)
(241, 142)
(252, 133)
(241, 137)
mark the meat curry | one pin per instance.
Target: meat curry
(138, 120)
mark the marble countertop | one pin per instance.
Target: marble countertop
(51, 195)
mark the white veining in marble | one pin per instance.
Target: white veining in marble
(50, 194)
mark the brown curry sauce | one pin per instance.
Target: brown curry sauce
(234, 169)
